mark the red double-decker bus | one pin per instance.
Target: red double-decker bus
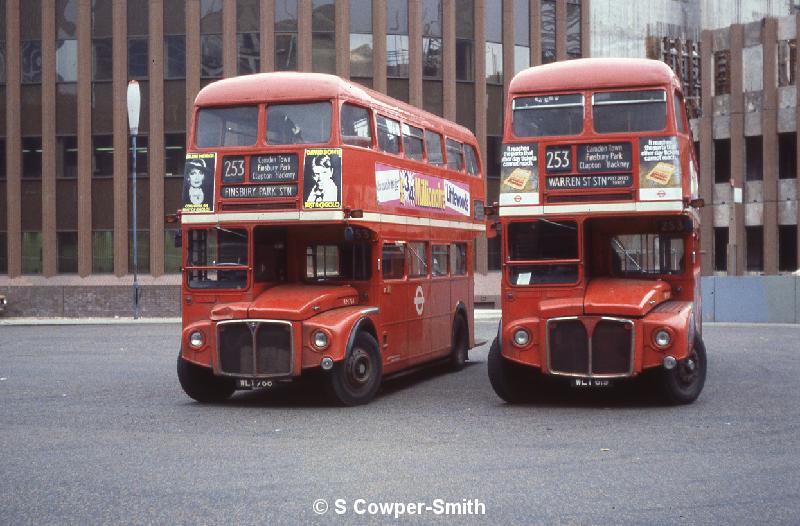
(324, 226)
(601, 239)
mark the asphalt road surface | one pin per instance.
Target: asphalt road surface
(94, 429)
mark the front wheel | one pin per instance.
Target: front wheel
(682, 384)
(201, 384)
(512, 382)
(356, 379)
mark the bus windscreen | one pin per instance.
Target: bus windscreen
(308, 123)
(629, 111)
(548, 115)
(237, 126)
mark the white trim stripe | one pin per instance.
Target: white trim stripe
(328, 215)
(666, 206)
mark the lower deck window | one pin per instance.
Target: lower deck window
(349, 261)
(647, 254)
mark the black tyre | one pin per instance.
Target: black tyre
(201, 384)
(512, 382)
(460, 346)
(356, 379)
(683, 383)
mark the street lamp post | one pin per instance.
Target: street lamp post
(134, 102)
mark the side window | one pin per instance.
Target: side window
(680, 113)
(440, 260)
(455, 155)
(412, 142)
(433, 143)
(417, 259)
(355, 126)
(458, 259)
(388, 134)
(472, 160)
(393, 259)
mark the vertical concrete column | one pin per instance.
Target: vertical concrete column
(85, 137)
(415, 53)
(13, 141)
(49, 252)
(536, 32)
(156, 138)
(119, 76)
(342, 38)
(230, 49)
(706, 175)
(508, 47)
(736, 232)
(797, 134)
(561, 29)
(586, 28)
(192, 59)
(304, 35)
(480, 115)
(379, 45)
(267, 26)
(449, 59)
(769, 133)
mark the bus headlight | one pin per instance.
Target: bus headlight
(196, 339)
(662, 338)
(521, 337)
(320, 340)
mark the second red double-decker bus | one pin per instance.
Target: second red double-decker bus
(601, 257)
(325, 226)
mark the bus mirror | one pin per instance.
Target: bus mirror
(178, 239)
(697, 203)
(171, 218)
(348, 233)
(355, 214)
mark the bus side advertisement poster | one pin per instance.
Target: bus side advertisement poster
(322, 178)
(198, 182)
(659, 169)
(408, 189)
(519, 176)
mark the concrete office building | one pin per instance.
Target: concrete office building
(65, 187)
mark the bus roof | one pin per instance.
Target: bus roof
(593, 73)
(294, 86)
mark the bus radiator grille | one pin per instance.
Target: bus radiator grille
(611, 347)
(569, 347)
(236, 349)
(273, 349)
(255, 348)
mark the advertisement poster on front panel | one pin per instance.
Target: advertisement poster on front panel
(198, 182)
(395, 187)
(519, 176)
(659, 169)
(322, 178)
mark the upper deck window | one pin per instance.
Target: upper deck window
(388, 134)
(472, 159)
(412, 142)
(455, 155)
(547, 115)
(306, 123)
(235, 126)
(629, 111)
(433, 144)
(355, 125)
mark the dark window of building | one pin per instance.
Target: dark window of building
(210, 16)
(2, 161)
(522, 35)
(493, 155)
(361, 38)
(722, 77)
(248, 15)
(754, 239)
(721, 248)
(787, 248)
(3, 253)
(137, 58)
(2, 62)
(172, 254)
(574, 29)
(722, 160)
(102, 251)
(323, 46)
(787, 155)
(31, 157)
(31, 65)
(141, 154)
(67, 162)
(493, 26)
(754, 148)
(142, 251)
(102, 156)
(787, 62)
(66, 60)
(210, 56)
(465, 36)
(174, 57)
(101, 18)
(67, 250)
(249, 53)
(31, 252)
(175, 154)
(548, 30)
(285, 34)
(432, 39)
(494, 252)
(102, 59)
(397, 38)
(66, 18)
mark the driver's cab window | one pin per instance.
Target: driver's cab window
(647, 254)
(393, 258)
